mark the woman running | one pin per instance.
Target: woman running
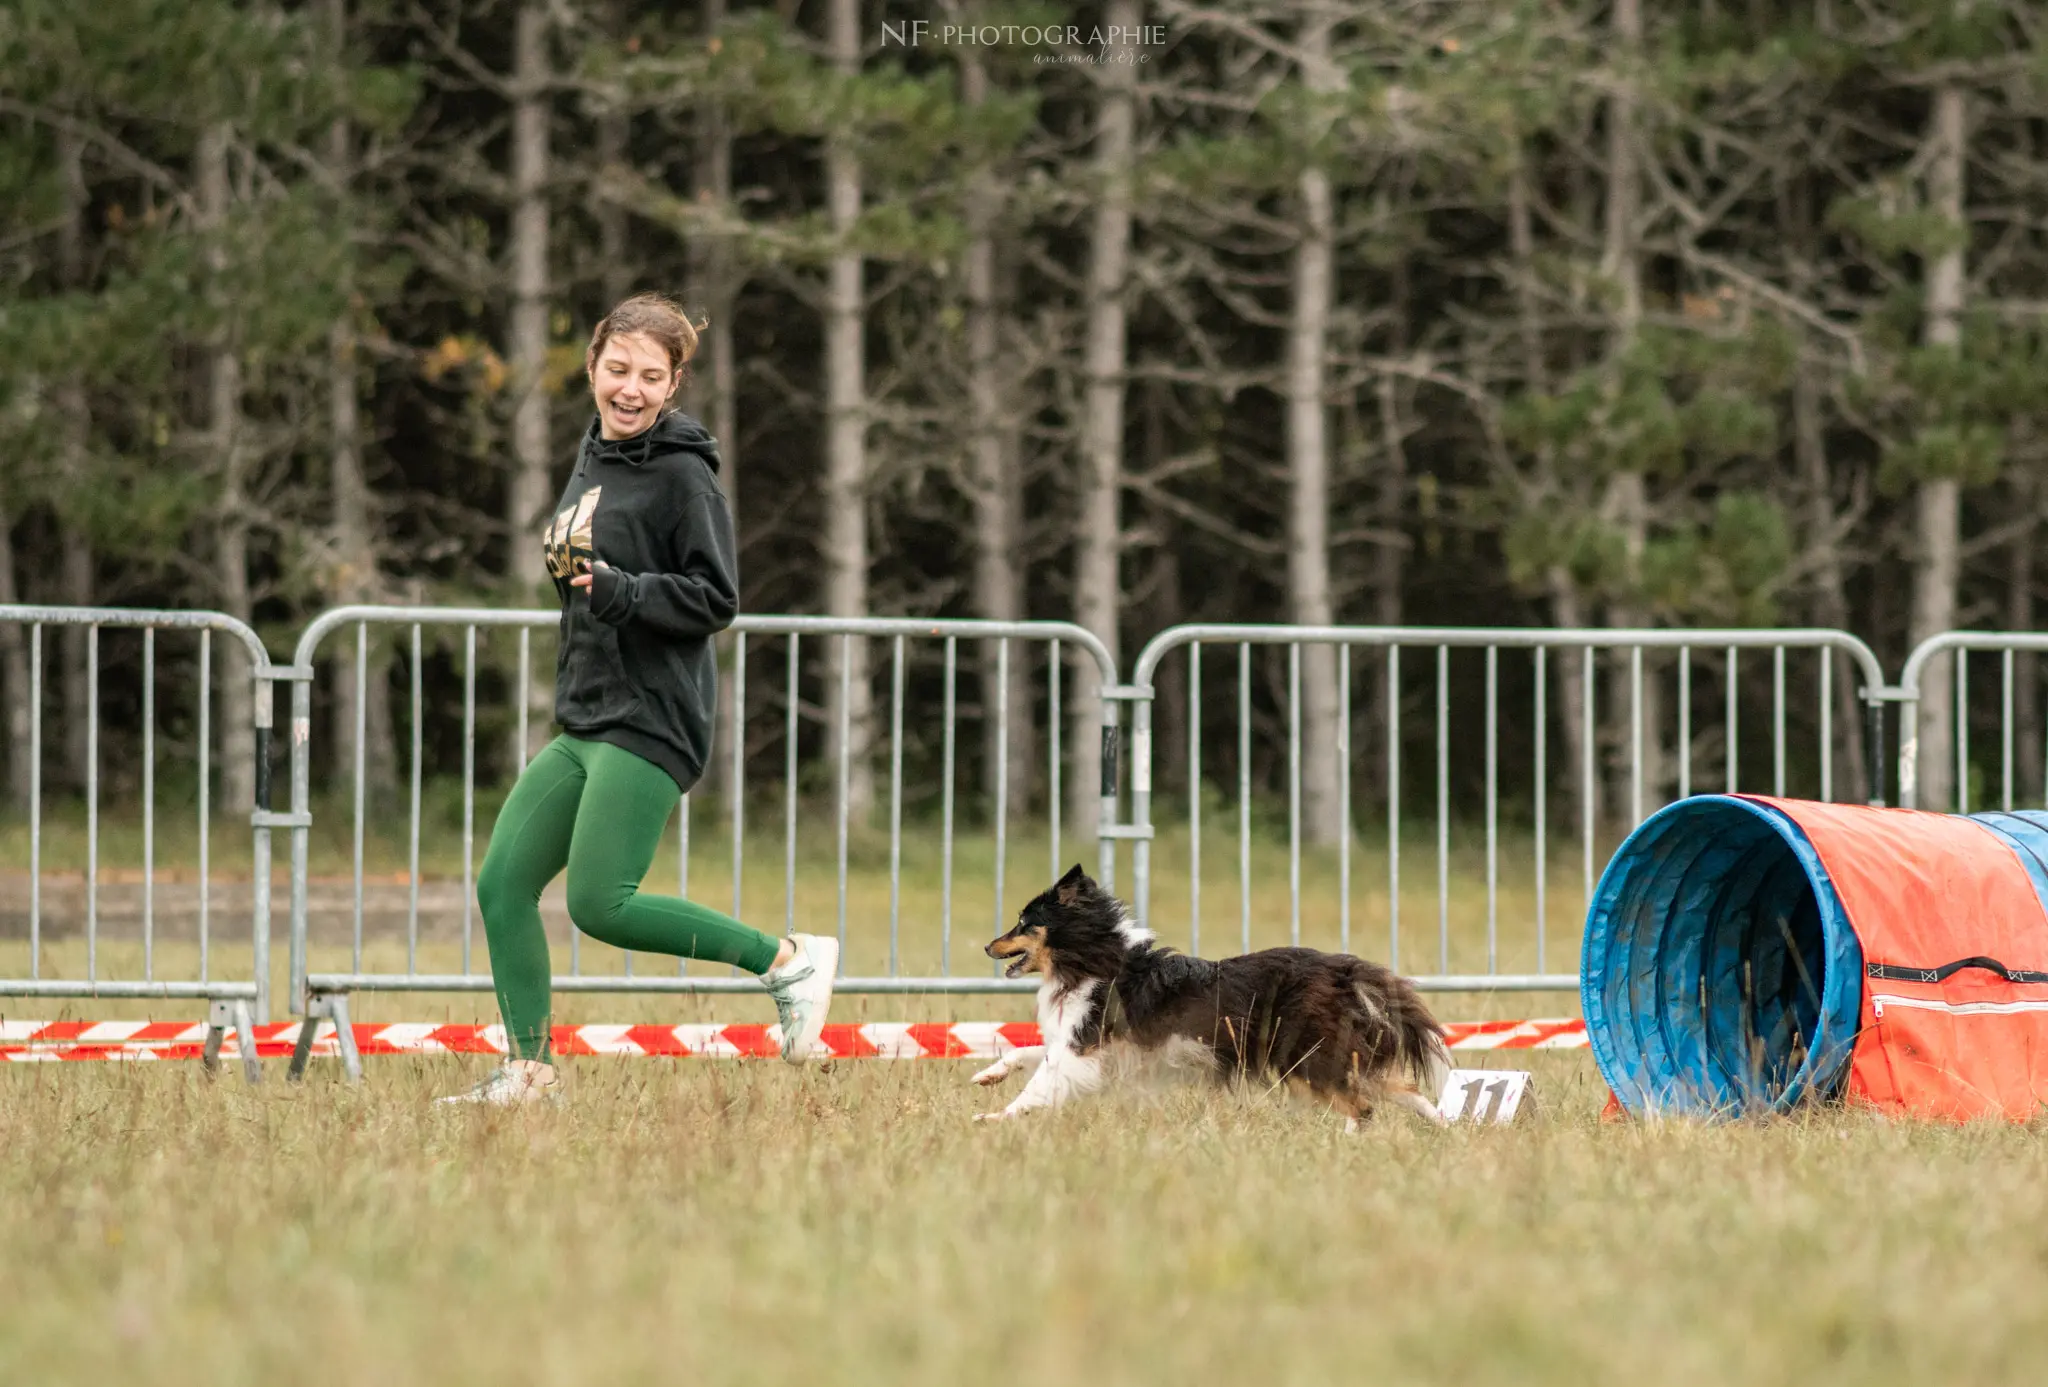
(641, 551)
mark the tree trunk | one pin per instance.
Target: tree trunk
(1816, 480)
(1937, 558)
(74, 436)
(995, 484)
(714, 281)
(1390, 553)
(1627, 508)
(1170, 701)
(14, 674)
(355, 577)
(616, 277)
(1626, 502)
(529, 494)
(1522, 246)
(849, 699)
(1830, 593)
(230, 517)
(2026, 673)
(1369, 692)
(74, 676)
(1568, 611)
(1308, 461)
(1099, 540)
(1165, 607)
(614, 144)
(1619, 255)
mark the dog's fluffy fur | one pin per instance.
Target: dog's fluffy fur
(1353, 1033)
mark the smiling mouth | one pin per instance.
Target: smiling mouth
(1017, 967)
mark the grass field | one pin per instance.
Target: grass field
(745, 1223)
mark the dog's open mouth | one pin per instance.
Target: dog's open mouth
(1018, 966)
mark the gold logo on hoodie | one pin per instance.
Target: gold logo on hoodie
(568, 537)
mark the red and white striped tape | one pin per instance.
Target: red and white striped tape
(165, 1040)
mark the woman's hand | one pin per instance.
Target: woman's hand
(587, 576)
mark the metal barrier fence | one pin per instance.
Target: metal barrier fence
(935, 674)
(2017, 718)
(1688, 656)
(139, 973)
(1688, 703)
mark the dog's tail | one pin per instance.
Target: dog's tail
(1433, 1066)
(1419, 1046)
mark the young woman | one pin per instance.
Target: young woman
(641, 550)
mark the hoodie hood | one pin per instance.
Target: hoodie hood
(674, 432)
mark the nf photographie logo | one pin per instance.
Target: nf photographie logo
(1059, 43)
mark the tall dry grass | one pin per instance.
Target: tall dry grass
(745, 1223)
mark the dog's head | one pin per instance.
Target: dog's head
(1072, 931)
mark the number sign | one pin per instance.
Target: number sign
(1483, 1095)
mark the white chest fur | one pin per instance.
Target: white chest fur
(1061, 1013)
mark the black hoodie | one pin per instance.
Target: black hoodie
(636, 668)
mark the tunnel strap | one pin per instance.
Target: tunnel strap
(1895, 972)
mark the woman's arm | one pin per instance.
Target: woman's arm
(701, 600)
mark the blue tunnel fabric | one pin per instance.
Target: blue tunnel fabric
(1720, 973)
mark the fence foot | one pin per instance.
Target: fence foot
(245, 1033)
(221, 1016)
(345, 1034)
(302, 1051)
(328, 1007)
(216, 1031)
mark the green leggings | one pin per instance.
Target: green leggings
(599, 810)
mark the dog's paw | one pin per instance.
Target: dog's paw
(988, 1117)
(994, 1074)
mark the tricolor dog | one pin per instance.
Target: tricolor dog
(1351, 1032)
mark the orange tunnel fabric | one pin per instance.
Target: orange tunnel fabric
(1923, 891)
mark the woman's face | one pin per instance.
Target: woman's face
(630, 382)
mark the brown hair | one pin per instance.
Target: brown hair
(653, 315)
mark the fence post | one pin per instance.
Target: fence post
(260, 820)
(1873, 740)
(1141, 802)
(1907, 695)
(1105, 817)
(302, 820)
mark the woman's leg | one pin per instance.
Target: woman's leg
(626, 805)
(529, 847)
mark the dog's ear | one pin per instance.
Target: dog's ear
(1072, 885)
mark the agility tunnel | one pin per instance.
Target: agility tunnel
(1745, 955)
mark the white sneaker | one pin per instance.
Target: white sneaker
(802, 992)
(506, 1087)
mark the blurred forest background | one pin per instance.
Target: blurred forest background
(1546, 312)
